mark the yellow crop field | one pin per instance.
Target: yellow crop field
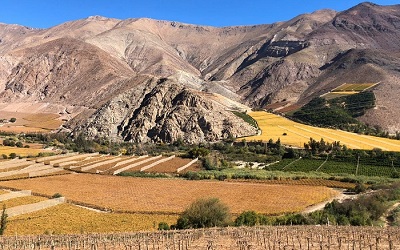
(296, 134)
(21, 201)
(20, 151)
(172, 196)
(353, 87)
(70, 219)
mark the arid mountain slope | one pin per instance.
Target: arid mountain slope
(144, 79)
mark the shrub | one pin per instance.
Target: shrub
(247, 218)
(4, 156)
(9, 143)
(19, 144)
(56, 195)
(13, 156)
(13, 120)
(203, 213)
(163, 226)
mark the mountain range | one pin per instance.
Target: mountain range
(145, 80)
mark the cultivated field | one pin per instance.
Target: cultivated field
(20, 151)
(354, 87)
(30, 123)
(296, 134)
(256, 238)
(71, 219)
(172, 196)
(348, 89)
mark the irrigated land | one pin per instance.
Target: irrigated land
(296, 134)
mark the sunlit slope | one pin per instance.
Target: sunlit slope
(274, 127)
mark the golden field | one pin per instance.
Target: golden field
(172, 196)
(30, 123)
(20, 151)
(70, 219)
(274, 126)
(21, 201)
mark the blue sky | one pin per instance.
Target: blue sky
(48, 13)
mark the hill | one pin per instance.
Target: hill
(151, 80)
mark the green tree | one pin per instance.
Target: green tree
(203, 213)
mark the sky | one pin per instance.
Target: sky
(48, 13)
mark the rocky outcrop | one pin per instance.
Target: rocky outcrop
(165, 114)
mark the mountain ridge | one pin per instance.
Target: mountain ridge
(95, 61)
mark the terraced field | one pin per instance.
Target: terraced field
(296, 134)
(92, 163)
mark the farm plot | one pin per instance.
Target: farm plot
(295, 134)
(25, 168)
(256, 238)
(169, 166)
(21, 201)
(20, 151)
(27, 123)
(348, 89)
(70, 219)
(354, 87)
(172, 196)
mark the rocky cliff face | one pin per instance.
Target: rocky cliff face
(113, 68)
(167, 112)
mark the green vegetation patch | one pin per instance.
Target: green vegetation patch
(246, 118)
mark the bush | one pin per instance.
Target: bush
(163, 226)
(203, 213)
(13, 156)
(247, 218)
(19, 144)
(9, 143)
(4, 156)
(13, 120)
(56, 195)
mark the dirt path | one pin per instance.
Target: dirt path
(385, 216)
(340, 197)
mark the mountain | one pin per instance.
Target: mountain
(148, 80)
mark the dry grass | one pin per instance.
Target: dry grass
(70, 219)
(174, 195)
(274, 126)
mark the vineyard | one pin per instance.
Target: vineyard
(295, 134)
(289, 237)
(172, 196)
(348, 89)
(352, 166)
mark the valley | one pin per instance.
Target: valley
(112, 130)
